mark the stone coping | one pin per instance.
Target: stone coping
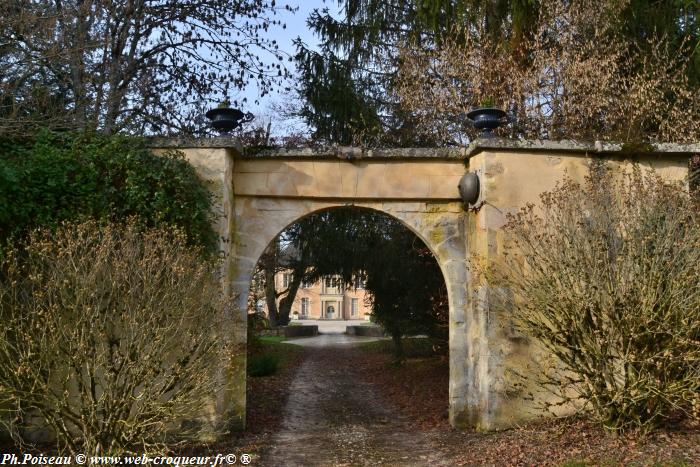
(457, 153)
(341, 152)
(600, 147)
(365, 331)
(356, 153)
(181, 142)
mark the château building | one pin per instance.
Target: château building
(327, 298)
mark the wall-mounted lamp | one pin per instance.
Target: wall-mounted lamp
(469, 188)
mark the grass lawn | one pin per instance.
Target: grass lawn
(272, 339)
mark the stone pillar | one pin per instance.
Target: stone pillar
(215, 167)
(486, 356)
(442, 226)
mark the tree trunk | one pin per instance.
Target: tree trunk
(271, 296)
(288, 300)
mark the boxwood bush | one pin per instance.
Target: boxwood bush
(262, 365)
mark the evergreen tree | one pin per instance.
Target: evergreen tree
(348, 86)
(675, 20)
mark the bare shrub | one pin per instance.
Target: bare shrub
(576, 77)
(109, 337)
(605, 277)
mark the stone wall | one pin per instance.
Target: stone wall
(259, 195)
(513, 174)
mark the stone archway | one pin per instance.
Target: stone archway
(441, 229)
(258, 195)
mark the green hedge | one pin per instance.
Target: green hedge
(262, 365)
(64, 176)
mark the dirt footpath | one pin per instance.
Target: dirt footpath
(335, 418)
(347, 407)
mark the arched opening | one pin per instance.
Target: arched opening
(352, 267)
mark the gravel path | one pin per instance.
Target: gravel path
(333, 418)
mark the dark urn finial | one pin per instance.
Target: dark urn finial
(225, 119)
(487, 119)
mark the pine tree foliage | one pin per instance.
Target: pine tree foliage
(347, 85)
(350, 85)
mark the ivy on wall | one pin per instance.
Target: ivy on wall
(54, 177)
